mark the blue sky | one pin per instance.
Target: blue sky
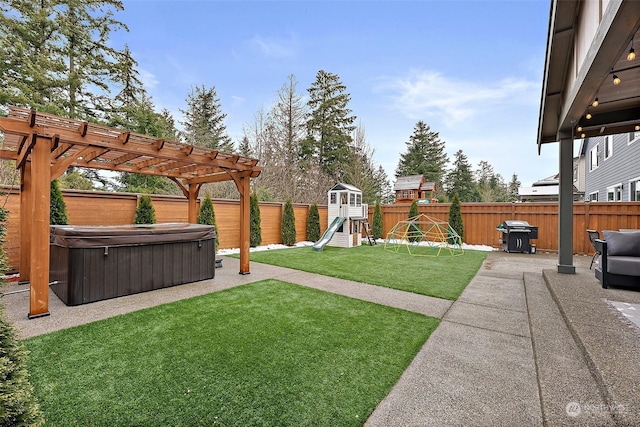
(471, 70)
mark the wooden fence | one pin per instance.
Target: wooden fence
(480, 219)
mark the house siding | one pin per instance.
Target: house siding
(622, 166)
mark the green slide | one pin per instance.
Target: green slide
(320, 244)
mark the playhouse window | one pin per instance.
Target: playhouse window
(333, 198)
(343, 198)
(352, 199)
(358, 200)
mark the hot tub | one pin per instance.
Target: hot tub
(89, 264)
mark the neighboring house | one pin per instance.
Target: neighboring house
(548, 189)
(612, 167)
(410, 188)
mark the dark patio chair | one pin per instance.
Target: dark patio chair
(593, 235)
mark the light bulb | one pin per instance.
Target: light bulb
(582, 135)
(637, 127)
(579, 129)
(595, 103)
(632, 55)
(616, 80)
(588, 116)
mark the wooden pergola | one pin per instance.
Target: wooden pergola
(44, 146)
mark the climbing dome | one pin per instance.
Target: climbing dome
(423, 235)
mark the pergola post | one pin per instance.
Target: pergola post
(40, 209)
(194, 189)
(25, 221)
(245, 222)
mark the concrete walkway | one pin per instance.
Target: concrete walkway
(522, 346)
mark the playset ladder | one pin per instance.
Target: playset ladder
(367, 232)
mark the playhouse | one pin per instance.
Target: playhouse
(347, 216)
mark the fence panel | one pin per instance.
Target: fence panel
(480, 219)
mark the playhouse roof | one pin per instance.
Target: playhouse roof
(413, 182)
(343, 186)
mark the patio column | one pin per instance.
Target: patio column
(40, 209)
(25, 221)
(565, 205)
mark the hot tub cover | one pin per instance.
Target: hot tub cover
(69, 236)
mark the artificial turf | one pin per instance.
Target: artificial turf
(264, 354)
(441, 276)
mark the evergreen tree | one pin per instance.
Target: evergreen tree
(145, 213)
(58, 212)
(204, 120)
(460, 180)
(414, 231)
(18, 405)
(513, 188)
(377, 226)
(455, 218)
(255, 235)
(288, 224)
(85, 26)
(313, 224)
(425, 155)
(207, 216)
(30, 64)
(329, 126)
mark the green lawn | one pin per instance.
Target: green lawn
(268, 353)
(443, 277)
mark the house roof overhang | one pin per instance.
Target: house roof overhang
(563, 105)
(83, 144)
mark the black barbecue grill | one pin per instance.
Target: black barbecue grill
(516, 236)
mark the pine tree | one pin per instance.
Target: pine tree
(207, 216)
(377, 226)
(18, 405)
(514, 186)
(58, 212)
(313, 224)
(145, 213)
(329, 126)
(455, 218)
(255, 235)
(425, 155)
(288, 224)
(460, 179)
(30, 62)
(204, 120)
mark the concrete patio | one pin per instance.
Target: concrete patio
(523, 345)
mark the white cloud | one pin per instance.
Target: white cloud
(149, 80)
(420, 94)
(274, 48)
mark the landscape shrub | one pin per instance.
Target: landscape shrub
(455, 217)
(58, 212)
(288, 224)
(313, 224)
(145, 213)
(18, 405)
(255, 235)
(207, 216)
(376, 229)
